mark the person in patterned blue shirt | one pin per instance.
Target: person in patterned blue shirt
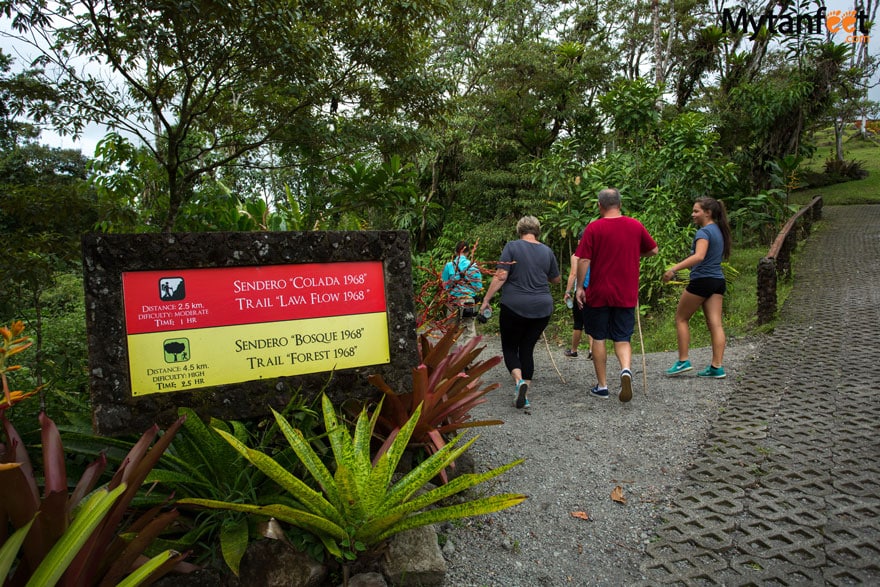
(463, 281)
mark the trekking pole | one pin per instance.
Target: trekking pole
(642, 344)
(550, 354)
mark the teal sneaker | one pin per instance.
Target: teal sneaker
(713, 372)
(679, 367)
(522, 388)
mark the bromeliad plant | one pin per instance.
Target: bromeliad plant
(200, 463)
(446, 387)
(357, 506)
(76, 538)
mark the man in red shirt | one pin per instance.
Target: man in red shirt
(611, 247)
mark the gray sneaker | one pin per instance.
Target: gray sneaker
(626, 385)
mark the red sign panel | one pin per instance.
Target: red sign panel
(167, 300)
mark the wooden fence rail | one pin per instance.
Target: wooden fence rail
(777, 263)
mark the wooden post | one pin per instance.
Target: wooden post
(766, 290)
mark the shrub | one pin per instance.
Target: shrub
(845, 169)
(357, 506)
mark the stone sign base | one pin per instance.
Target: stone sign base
(123, 403)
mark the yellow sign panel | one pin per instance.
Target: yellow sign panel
(183, 360)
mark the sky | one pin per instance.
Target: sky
(94, 133)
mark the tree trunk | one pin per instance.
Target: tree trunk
(435, 182)
(38, 357)
(838, 138)
(759, 47)
(658, 44)
(862, 54)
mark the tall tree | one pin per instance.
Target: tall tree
(204, 83)
(523, 76)
(863, 62)
(38, 242)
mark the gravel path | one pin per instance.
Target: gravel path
(577, 450)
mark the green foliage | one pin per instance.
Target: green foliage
(124, 178)
(764, 114)
(83, 524)
(86, 518)
(39, 242)
(563, 226)
(201, 464)
(516, 90)
(758, 218)
(64, 353)
(674, 242)
(201, 105)
(631, 106)
(85, 544)
(784, 172)
(357, 504)
(564, 215)
(9, 549)
(845, 170)
(61, 364)
(689, 162)
(659, 176)
(383, 196)
(862, 149)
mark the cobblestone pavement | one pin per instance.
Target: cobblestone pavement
(786, 490)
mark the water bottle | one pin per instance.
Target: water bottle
(485, 315)
(569, 303)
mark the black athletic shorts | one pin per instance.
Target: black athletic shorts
(578, 315)
(706, 287)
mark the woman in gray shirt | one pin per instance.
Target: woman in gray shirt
(525, 270)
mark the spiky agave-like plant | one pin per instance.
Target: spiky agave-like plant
(357, 506)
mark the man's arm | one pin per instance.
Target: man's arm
(572, 274)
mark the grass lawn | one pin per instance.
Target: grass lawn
(855, 148)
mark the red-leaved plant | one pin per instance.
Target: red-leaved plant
(446, 384)
(113, 547)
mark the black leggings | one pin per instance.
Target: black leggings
(519, 336)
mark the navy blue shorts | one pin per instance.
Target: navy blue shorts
(706, 287)
(578, 315)
(608, 322)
